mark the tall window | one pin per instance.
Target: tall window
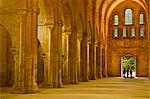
(128, 17)
(124, 34)
(141, 18)
(132, 32)
(116, 20)
(142, 32)
(116, 33)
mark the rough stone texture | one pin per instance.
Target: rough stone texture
(35, 44)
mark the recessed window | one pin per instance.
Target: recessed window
(124, 33)
(116, 33)
(116, 20)
(142, 32)
(128, 17)
(141, 18)
(132, 32)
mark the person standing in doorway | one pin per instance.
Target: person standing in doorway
(124, 72)
(128, 72)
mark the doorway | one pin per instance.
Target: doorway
(128, 66)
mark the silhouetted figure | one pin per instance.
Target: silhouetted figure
(124, 72)
(127, 72)
(130, 73)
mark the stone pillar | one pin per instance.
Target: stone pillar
(88, 58)
(101, 61)
(149, 37)
(48, 82)
(95, 60)
(105, 59)
(34, 45)
(26, 82)
(92, 61)
(84, 59)
(19, 84)
(98, 61)
(66, 73)
(149, 58)
(56, 51)
(79, 39)
(15, 54)
(73, 57)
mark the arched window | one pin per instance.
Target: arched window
(124, 34)
(132, 32)
(116, 20)
(142, 32)
(141, 18)
(116, 33)
(128, 17)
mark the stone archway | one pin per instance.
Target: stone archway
(6, 59)
(128, 62)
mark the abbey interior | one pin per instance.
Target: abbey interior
(55, 44)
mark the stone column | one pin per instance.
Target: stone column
(92, 61)
(34, 46)
(48, 82)
(73, 57)
(101, 61)
(66, 73)
(95, 60)
(15, 54)
(149, 58)
(84, 59)
(149, 37)
(88, 58)
(56, 51)
(26, 82)
(19, 84)
(79, 39)
(105, 59)
(98, 61)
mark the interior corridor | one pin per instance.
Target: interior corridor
(106, 88)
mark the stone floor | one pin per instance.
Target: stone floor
(110, 88)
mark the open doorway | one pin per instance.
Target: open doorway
(128, 66)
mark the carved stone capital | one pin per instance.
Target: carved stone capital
(60, 22)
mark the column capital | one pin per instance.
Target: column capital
(60, 22)
(96, 44)
(14, 51)
(79, 35)
(89, 41)
(101, 46)
(49, 25)
(67, 33)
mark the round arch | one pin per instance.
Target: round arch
(6, 58)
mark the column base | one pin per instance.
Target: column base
(18, 90)
(66, 82)
(101, 76)
(57, 85)
(24, 90)
(47, 85)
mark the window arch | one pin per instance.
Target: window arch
(141, 18)
(116, 32)
(116, 20)
(128, 17)
(142, 34)
(124, 33)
